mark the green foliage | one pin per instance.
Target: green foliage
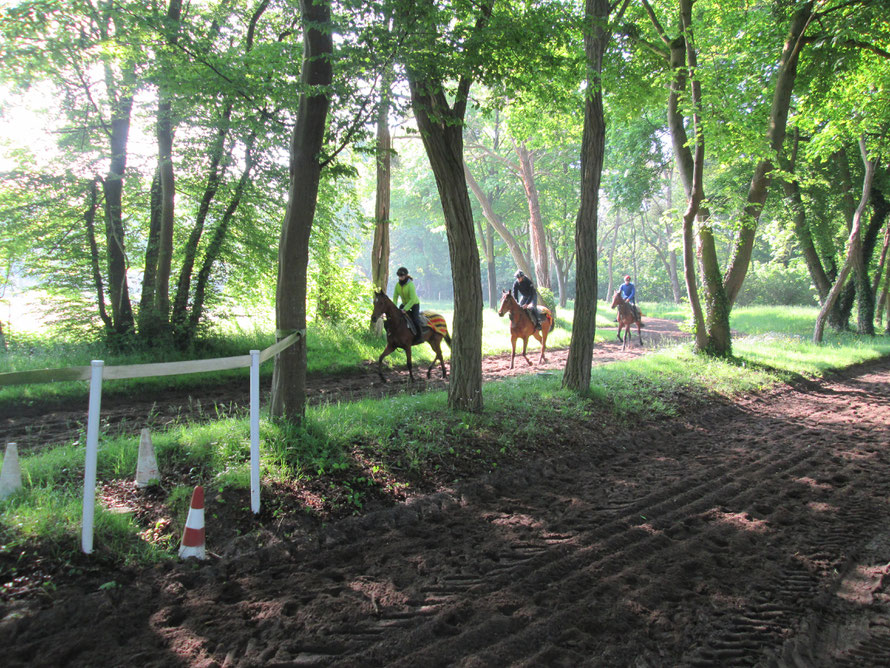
(777, 284)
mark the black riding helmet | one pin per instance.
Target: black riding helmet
(401, 271)
(518, 274)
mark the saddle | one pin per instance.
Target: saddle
(424, 322)
(542, 312)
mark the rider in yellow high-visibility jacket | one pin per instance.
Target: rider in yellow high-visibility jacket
(405, 292)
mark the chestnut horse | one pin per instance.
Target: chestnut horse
(399, 335)
(522, 326)
(627, 316)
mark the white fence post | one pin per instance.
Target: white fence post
(255, 431)
(90, 463)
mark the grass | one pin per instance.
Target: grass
(400, 440)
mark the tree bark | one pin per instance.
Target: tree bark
(441, 128)
(380, 248)
(580, 357)
(778, 120)
(90, 222)
(513, 245)
(113, 186)
(854, 244)
(187, 333)
(288, 399)
(180, 316)
(537, 236)
(165, 124)
(146, 299)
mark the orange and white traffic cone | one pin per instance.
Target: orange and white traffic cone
(11, 476)
(147, 472)
(193, 534)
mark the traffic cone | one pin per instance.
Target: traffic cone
(11, 476)
(193, 534)
(147, 472)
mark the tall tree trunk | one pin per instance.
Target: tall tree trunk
(187, 332)
(180, 317)
(490, 258)
(113, 187)
(288, 399)
(441, 128)
(513, 245)
(147, 298)
(560, 278)
(537, 235)
(778, 121)
(690, 168)
(593, 143)
(611, 285)
(380, 249)
(90, 221)
(854, 244)
(182, 322)
(161, 310)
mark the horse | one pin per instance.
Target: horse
(627, 316)
(399, 335)
(522, 326)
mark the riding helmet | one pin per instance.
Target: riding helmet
(627, 278)
(519, 274)
(401, 271)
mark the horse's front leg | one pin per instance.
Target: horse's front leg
(624, 340)
(388, 350)
(512, 354)
(437, 348)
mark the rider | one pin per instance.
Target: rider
(629, 293)
(410, 303)
(527, 297)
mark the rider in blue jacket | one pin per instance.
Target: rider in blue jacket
(629, 293)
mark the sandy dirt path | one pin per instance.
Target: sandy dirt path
(754, 533)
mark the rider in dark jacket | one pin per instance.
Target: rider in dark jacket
(526, 296)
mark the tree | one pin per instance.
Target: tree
(597, 35)
(289, 376)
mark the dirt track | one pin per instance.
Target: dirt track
(749, 534)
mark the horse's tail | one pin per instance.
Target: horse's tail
(437, 323)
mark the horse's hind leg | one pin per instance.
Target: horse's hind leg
(542, 339)
(639, 333)
(436, 345)
(524, 349)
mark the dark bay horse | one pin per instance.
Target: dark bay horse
(522, 326)
(627, 316)
(399, 335)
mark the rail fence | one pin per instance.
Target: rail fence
(97, 372)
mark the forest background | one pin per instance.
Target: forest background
(187, 164)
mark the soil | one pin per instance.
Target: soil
(748, 533)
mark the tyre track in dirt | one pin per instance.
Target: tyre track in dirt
(748, 534)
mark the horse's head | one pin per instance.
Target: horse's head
(504, 306)
(380, 300)
(617, 298)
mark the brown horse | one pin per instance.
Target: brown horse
(627, 316)
(522, 326)
(399, 335)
